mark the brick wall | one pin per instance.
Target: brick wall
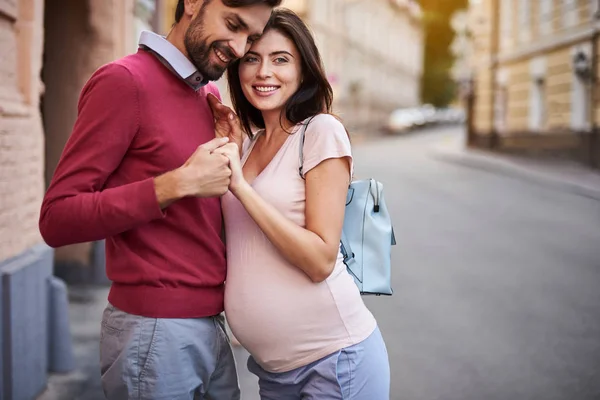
(21, 134)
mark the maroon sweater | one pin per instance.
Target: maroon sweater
(137, 120)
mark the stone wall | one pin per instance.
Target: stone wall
(21, 133)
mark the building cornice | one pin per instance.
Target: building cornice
(549, 44)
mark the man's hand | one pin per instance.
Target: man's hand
(227, 124)
(204, 174)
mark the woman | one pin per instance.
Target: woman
(289, 299)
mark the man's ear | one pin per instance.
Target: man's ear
(192, 6)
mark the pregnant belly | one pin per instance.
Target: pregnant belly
(278, 321)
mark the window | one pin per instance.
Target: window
(546, 16)
(537, 110)
(524, 19)
(537, 93)
(500, 109)
(506, 23)
(569, 13)
(501, 101)
(580, 104)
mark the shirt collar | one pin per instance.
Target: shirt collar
(173, 58)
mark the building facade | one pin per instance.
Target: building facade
(49, 49)
(536, 77)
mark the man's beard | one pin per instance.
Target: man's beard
(199, 51)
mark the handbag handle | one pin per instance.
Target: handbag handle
(301, 155)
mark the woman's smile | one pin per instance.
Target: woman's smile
(265, 90)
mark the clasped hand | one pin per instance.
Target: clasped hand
(232, 152)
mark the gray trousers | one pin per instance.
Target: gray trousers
(159, 358)
(359, 372)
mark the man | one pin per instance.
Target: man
(139, 171)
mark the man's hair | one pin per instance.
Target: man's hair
(229, 3)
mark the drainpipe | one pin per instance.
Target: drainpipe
(495, 45)
(593, 157)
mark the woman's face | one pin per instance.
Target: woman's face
(270, 73)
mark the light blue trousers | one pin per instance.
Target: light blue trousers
(359, 372)
(165, 359)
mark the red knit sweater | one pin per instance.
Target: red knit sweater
(137, 120)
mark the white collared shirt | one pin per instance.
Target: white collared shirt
(174, 59)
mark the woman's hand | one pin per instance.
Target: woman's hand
(232, 152)
(227, 124)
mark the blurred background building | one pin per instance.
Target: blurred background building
(535, 79)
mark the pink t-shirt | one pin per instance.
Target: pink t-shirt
(276, 312)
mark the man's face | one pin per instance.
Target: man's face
(218, 35)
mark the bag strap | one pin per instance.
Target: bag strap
(349, 259)
(345, 248)
(301, 153)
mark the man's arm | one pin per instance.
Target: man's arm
(76, 207)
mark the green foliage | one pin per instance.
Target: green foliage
(437, 86)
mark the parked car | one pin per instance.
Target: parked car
(406, 119)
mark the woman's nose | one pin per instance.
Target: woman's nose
(264, 70)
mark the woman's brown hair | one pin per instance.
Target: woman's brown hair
(314, 96)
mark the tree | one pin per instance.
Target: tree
(437, 87)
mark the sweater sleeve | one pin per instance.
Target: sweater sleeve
(77, 207)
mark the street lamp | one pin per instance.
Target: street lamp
(582, 65)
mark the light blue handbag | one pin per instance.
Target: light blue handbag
(367, 235)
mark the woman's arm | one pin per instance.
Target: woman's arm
(313, 249)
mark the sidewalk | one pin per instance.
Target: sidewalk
(86, 305)
(561, 175)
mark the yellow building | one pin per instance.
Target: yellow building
(535, 78)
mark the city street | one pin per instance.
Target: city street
(496, 281)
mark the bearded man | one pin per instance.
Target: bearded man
(139, 171)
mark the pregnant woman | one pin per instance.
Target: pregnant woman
(289, 299)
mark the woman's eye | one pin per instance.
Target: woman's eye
(281, 60)
(250, 59)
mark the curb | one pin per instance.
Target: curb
(497, 164)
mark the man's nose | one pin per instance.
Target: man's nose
(239, 46)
